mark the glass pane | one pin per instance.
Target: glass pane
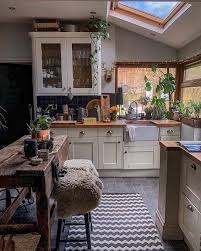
(158, 9)
(191, 94)
(51, 65)
(132, 82)
(82, 74)
(193, 72)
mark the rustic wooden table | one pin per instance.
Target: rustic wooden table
(16, 171)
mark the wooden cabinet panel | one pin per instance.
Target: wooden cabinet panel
(110, 152)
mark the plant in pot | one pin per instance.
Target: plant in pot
(180, 110)
(148, 112)
(196, 109)
(113, 113)
(41, 126)
(159, 107)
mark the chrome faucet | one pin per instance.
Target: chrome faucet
(133, 109)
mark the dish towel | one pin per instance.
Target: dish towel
(131, 132)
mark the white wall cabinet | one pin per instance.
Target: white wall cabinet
(110, 152)
(62, 63)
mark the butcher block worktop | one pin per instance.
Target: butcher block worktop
(118, 123)
(173, 146)
(66, 124)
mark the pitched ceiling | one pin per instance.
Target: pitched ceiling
(185, 29)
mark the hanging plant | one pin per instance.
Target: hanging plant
(99, 30)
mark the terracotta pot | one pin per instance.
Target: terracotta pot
(44, 134)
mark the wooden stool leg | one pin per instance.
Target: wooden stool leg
(58, 233)
(88, 234)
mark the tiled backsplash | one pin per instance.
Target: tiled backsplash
(76, 102)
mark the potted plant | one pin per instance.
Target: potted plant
(148, 111)
(41, 125)
(159, 108)
(113, 113)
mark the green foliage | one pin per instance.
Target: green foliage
(98, 28)
(43, 122)
(183, 110)
(169, 115)
(158, 102)
(144, 101)
(196, 108)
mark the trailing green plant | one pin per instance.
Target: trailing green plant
(196, 108)
(99, 30)
(3, 123)
(184, 111)
(42, 123)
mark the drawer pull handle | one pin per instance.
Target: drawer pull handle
(119, 142)
(69, 143)
(170, 131)
(82, 132)
(125, 152)
(109, 132)
(189, 207)
(193, 166)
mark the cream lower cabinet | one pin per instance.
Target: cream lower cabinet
(170, 133)
(110, 152)
(190, 202)
(86, 148)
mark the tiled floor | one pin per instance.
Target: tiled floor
(148, 188)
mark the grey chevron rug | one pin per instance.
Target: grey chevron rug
(121, 223)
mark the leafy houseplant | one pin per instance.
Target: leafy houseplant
(196, 108)
(41, 126)
(148, 110)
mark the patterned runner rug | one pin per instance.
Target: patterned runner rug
(121, 223)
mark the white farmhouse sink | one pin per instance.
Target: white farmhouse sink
(140, 132)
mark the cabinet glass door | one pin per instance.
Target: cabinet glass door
(50, 63)
(82, 73)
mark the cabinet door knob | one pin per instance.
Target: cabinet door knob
(125, 152)
(82, 132)
(119, 142)
(69, 143)
(189, 207)
(109, 132)
(193, 166)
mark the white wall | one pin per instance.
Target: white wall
(191, 49)
(15, 44)
(131, 46)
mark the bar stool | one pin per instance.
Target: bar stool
(78, 191)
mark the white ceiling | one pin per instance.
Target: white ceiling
(185, 29)
(62, 9)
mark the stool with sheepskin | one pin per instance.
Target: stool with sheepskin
(77, 192)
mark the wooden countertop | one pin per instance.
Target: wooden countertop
(66, 124)
(118, 123)
(173, 146)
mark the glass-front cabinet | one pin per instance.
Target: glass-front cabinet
(51, 76)
(68, 63)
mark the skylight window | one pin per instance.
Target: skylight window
(153, 12)
(158, 9)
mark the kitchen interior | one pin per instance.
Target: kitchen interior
(107, 94)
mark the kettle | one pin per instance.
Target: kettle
(81, 114)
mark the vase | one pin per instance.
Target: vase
(113, 116)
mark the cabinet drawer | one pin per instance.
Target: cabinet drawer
(170, 131)
(109, 132)
(59, 131)
(170, 138)
(190, 180)
(189, 221)
(82, 132)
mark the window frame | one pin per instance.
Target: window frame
(148, 18)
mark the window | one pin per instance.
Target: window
(131, 79)
(156, 12)
(191, 86)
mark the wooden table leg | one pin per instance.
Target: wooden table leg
(43, 216)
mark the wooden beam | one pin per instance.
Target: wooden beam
(10, 211)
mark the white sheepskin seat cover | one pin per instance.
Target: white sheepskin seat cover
(78, 192)
(83, 164)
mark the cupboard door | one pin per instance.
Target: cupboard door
(84, 73)
(86, 148)
(50, 63)
(110, 152)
